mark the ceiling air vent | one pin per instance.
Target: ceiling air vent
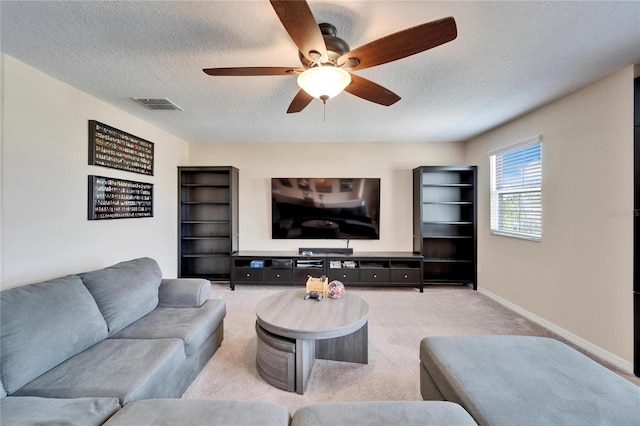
(158, 104)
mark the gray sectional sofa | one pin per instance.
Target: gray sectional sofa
(81, 346)
(118, 346)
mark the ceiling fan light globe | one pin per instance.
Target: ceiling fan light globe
(324, 81)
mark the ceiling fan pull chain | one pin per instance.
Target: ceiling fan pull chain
(324, 98)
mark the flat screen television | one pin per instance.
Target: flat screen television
(325, 208)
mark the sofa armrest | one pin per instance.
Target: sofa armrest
(183, 292)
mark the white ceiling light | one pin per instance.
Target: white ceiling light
(324, 82)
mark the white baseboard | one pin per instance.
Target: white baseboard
(614, 359)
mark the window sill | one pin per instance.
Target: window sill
(519, 236)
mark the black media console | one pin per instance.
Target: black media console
(389, 269)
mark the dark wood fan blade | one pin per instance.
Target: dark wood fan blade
(300, 102)
(370, 91)
(401, 44)
(249, 71)
(297, 19)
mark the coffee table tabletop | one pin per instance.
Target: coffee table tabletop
(288, 314)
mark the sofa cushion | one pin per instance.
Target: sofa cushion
(43, 324)
(126, 369)
(509, 380)
(383, 413)
(30, 410)
(126, 291)
(194, 412)
(192, 325)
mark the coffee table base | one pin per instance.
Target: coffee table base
(274, 357)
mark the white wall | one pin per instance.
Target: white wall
(44, 228)
(391, 162)
(579, 277)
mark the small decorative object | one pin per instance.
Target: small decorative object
(317, 285)
(314, 295)
(335, 289)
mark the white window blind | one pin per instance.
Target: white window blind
(516, 190)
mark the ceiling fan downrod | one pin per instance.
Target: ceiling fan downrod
(336, 47)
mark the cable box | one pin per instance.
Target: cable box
(282, 263)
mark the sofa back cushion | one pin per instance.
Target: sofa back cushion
(125, 292)
(44, 324)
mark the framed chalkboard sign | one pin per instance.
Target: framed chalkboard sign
(111, 198)
(110, 147)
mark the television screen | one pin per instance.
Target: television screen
(325, 208)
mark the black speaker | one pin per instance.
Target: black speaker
(325, 250)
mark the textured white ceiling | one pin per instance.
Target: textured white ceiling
(509, 58)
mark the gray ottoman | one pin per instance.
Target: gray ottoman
(276, 359)
(198, 412)
(520, 380)
(383, 413)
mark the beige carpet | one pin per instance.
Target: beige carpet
(398, 320)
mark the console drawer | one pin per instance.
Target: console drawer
(279, 275)
(248, 274)
(374, 275)
(405, 276)
(344, 275)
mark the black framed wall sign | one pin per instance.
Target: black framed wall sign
(113, 148)
(111, 198)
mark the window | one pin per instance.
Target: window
(516, 190)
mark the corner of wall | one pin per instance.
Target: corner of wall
(1, 153)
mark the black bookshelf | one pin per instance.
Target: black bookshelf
(444, 223)
(207, 221)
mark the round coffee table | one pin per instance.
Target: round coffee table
(292, 328)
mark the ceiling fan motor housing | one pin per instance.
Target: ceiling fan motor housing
(336, 47)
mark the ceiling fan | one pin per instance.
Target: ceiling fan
(327, 61)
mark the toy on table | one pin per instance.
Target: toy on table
(313, 295)
(317, 288)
